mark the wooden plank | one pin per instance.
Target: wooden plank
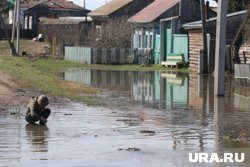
(175, 57)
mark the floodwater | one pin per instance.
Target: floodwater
(170, 115)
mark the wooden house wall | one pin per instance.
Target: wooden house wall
(193, 14)
(174, 11)
(244, 50)
(244, 54)
(144, 37)
(195, 45)
(195, 39)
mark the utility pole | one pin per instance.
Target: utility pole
(220, 47)
(14, 24)
(84, 4)
(204, 33)
(18, 26)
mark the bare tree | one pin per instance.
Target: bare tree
(113, 33)
(4, 8)
(64, 31)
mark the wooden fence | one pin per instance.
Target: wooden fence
(210, 66)
(242, 74)
(113, 55)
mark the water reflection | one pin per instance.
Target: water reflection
(187, 117)
(242, 97)
(192, 99)
(37, 136)
(163, 90)
(160, 90)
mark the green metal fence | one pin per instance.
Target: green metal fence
(180, 45)
(88, 55)
(176, 44)
(78, 54)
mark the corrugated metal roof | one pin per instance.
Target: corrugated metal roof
(198, 24)
(153, 11)
(53, 4)
(65, 21)
(109, 8)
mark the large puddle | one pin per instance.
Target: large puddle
(172, 114)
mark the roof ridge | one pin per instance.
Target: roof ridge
(148, 14)
(110, 7)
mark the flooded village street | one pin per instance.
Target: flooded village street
(127, 83)
(166, 115)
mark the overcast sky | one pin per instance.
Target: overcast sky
(93, 4)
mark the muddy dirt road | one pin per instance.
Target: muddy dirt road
(77, 135)
(10, 94)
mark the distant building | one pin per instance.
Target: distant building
(35, 9)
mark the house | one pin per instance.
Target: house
(65, 31)
(194, 29)
(35, 9)
(242, 42)
(153, 28)
(117, 9)
(241, 45)
(6, 14)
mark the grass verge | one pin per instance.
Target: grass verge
(42, 75)
(134, 67)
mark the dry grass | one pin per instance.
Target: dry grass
(26, 45)
(79, 88)
(42, 75)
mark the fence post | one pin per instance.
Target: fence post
(112, 60)
(201, 62)
(232, 57)
(99, 55)
(104, 56)
(122, 55)
(94, 55)
(228, 58)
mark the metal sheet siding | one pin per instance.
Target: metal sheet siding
(169, 41)
(78, 54)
